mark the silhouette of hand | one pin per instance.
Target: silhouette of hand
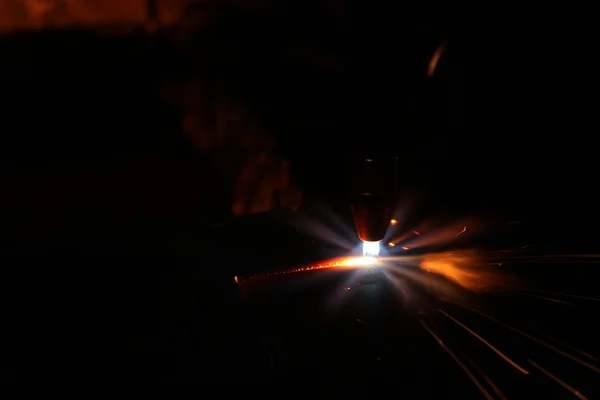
(223, 129)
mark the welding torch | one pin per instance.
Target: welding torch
(373, 197)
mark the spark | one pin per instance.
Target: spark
(494, 349)
(530, 337)
(557, 380)
(458, 361)
(332, 263)
(461, 232)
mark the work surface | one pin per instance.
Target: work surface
(395, 324)
(404, 326)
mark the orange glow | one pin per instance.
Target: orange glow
(19, 15)
(393, 222)
(391, 244)
(333, 263)
(463, 267)
(16, 15)
(435, 59)
(405, 248)
(417, 233)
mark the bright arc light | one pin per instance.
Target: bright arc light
(351, 262)
(370, 248)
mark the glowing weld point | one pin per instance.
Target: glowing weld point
(371, 248)
(359, 261)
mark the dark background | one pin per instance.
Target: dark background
(101, 194)
(505, 138)
(503, 125)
